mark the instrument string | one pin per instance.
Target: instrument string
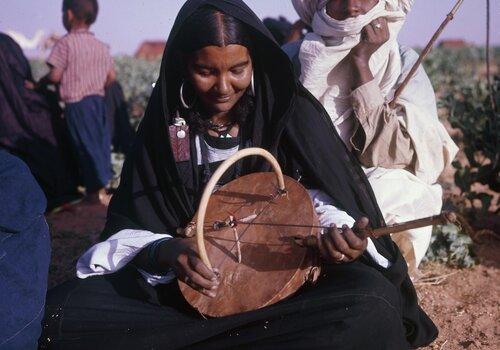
(240, 236)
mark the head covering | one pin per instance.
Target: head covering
(307, 9)
(153, 194)
(31, 126)
(159, 195)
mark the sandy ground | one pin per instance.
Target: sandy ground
(465, 304)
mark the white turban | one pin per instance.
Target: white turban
(307, 8)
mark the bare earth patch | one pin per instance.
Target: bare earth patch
(465, 306)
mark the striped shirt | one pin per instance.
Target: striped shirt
(86, 62)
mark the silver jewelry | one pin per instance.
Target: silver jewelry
(342, 257)
(178, 120)
(252, 85)
(181, 97)
(377, 25)
(181, 134)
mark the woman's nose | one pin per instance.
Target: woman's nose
(223, 85)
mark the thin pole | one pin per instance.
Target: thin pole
(488, 57)
(425, 52)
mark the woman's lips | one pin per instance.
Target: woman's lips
(222, 99)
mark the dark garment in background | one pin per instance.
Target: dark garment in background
(280, 28)
(123, 312)
(118, 118)
(32, 128)
(24, 255)
(88, 127)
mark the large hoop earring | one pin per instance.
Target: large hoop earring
(181, 97)
(252, 85)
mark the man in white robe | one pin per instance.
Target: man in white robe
(352, 63)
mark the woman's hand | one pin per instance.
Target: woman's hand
(373, 36)
(180, 254)
(343, 245)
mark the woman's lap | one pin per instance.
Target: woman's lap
(352, 306)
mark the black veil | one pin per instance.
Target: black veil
(159, 195)
(287, 121)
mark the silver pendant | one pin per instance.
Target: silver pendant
(181, 134)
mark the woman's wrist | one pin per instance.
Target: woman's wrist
(166, 253)
(153, 253)
(151, 257)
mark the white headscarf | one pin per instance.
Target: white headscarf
(306, 9)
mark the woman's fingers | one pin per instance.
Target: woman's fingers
(199, 266)
(333, 250)
(340, 243)
(322, 248)
(354, 241)
(199, 283)
(187, 271)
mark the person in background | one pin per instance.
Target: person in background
(82, 66)
(32, 129)
(352, 63)
(121, 131)
(24, 255)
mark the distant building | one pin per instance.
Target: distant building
(150, 50)
(453, 44)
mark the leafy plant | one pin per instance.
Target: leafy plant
(137, 78)
(470, 110)
(450, 246)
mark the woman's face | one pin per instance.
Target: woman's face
(220, 76)
(344, 9)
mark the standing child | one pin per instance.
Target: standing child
(82, 66)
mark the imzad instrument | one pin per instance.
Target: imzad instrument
(260, 231)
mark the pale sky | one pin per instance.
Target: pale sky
(124, 24)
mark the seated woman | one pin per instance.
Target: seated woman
(352, 63)
(224, 75)
(32, 128)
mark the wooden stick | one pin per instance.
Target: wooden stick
(425, 52)
(441, 219)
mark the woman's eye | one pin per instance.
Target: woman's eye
(204, 73)
(237, 71)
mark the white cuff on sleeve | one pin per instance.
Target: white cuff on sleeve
(116, 252)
